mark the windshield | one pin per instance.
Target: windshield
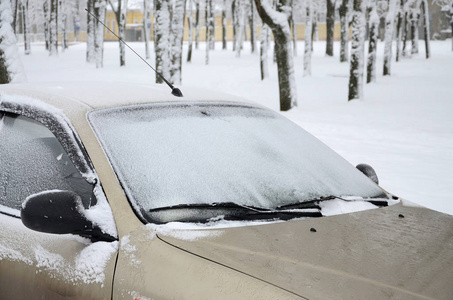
(178, 154)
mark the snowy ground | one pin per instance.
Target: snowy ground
(403, 127)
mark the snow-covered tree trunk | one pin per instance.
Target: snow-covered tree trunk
(389, 20)
(64, 33)
(414, 29)
(405, 33)
(252, 26)
(45, 9)
(176, 39)
(190, 23)
(120, 14)
(426, 28)
(14, 8)
(308, 36)
(224, 26)
(344, 23)
(25, 22)
(207, 35)
(315, 34)
(53, 33)
(399, 31)
(234, 10)
(330, 23)
(99, 12)
(162, 39)
(292, 25)
(278, 22)
(211, 25)
(90, 57)
(371, 62)
(197, 24)
(11, 69)
(264, 46)
(241, 27)
(357, 51)
(146, 19)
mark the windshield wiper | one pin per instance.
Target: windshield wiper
(214, 205)
(201, 212)
(314, 203)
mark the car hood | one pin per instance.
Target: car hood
(397, 252)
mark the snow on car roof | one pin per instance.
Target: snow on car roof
(108, 94)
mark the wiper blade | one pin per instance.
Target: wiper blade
(214, 205)
(202, 212)
(312, 203)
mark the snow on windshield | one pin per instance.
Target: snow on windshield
(168, 154)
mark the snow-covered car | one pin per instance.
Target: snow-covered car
(114, 191)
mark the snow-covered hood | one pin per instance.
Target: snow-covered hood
(398, 252)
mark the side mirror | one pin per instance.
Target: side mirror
(368, 171)
(59, 212)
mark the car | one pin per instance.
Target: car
(124, 191)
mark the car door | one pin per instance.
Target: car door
(37, 265)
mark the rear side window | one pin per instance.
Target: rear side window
(32, 160)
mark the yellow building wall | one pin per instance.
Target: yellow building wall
(136, 17)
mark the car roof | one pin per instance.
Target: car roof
(94, 95)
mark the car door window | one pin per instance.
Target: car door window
(32, 160)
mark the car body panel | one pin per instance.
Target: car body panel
(372, 254)
(149, 268)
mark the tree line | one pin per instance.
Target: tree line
(276, 18)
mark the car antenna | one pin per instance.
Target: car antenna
(174, 91)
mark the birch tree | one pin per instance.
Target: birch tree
(197, 23)
(264, 47)
(190, 23)
(162, 38)
(176, 40)
(224, 25)
(90, 54)
(357, 51)
(344, 23)
(146, 19)
(211, 24)
(373, 37)
(53, 28)
(308, 37)
(120, 14)
(208, 28)
(11, 69)
(277, 20)
(25, 20)
(240, 26)
(414, 17)
(253, 32)
(389, 20)
(99, 12)
(45, 8)
(399, 29)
